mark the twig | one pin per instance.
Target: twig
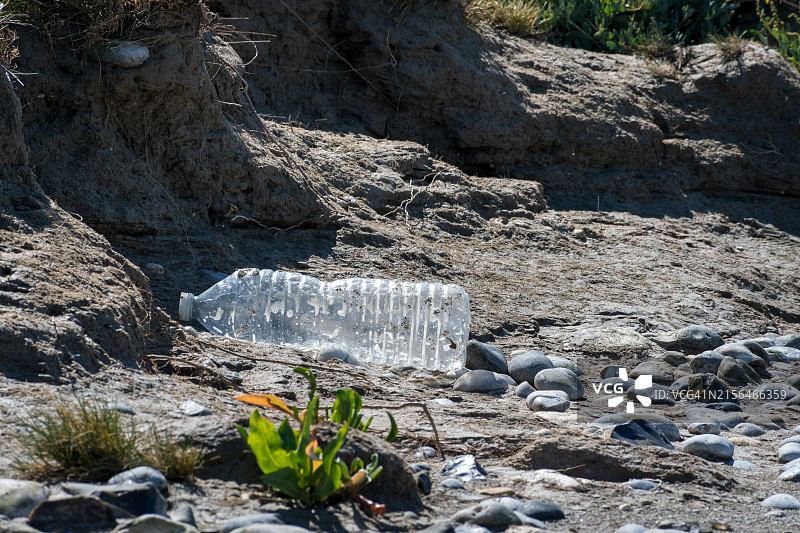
(424, 409)
(287, 363)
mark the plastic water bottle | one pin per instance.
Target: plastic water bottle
(379, 321)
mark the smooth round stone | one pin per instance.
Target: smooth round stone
(737, 373)
(184, 513)
(775, 391)
(525, 367)
(141, 474)
(727, 407)
(419, 467)
(524, 389)
(541, 510)
(711, 447)
(444, 402)
(643, 484)
(705, 363)
(18, 497)
(701, 414)
(696, 339)
(789, 452)
(126, 54)
(192, 408)
(480, 381)
(739, 351)
(610, 371)
(781, 501)
(121, 407)
(783, 354)
(563, 362)
(793, 438)
(561, 379)
(452, 483)
(556, 400)
(707, 388)
(790, 474)
(794, 381)
(481, 356)
(492, 515)
(704, 428)
(630, 528)
(792, 340)
(427, 452)
(744, 465)
(748, 430)
(757, 350)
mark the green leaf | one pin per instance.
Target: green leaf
(242, 432)
(393, 430)
(288, 437)
(265, 443)
(365, 427)
(312, 381)
(286, 481)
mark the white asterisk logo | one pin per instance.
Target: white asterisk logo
(644, 381)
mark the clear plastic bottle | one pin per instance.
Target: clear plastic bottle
(378, 321)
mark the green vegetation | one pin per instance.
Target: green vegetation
(650, 27)
(293, 462)
(779, 32)
(89, 442)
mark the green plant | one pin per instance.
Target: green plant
(292, 461)
(176, 459)
(90, 442)
(779, 32)
(523, 17)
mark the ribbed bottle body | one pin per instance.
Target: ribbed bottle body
(378, 321)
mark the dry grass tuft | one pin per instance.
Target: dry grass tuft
(89, 442)
(8, 52)
(522, 17)
(731, 47)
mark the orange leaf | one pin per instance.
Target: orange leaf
(266, 400)
(311, 452)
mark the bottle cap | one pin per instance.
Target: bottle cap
(186, 307)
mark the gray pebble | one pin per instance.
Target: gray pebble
(481, 356)
(153, 523)
(525, 367)
(18, 497)
(630, 528)
(792, 340)
(542, 510)
(744, 465)
(563, 362)
(491, 515)
(559, 379)
(706, 363)
(480, 381)
(249, 520)
(696, 339)
(551, 400)
(192, 408)
(790, 474)
(781, 501)
(426, 452)
(183, 513)
(452, 483)
(643, 484)
(748, 430)
(789, 452)
(121, 407)
(711, 447)
(524, 389)
(444, 526)
(141, 474)
(703, 428)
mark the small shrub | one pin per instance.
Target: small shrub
(292, 461)
(731, 47)
(779, 32)
(176, 459)
(522, 17)
(85, 442)
(90, 442)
